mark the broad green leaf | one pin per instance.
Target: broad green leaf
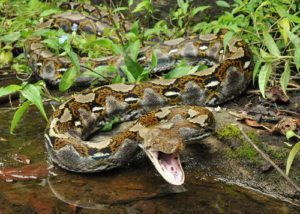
(256, 70)
(11, 37)
(52, 43)
(134, 68)
(291, 157)
(68, 79)
(285, 76)
(118, 49)
(9, 89)
(263, 77)
(130, 77)
(32, 93)
(284, 27)
(222, 4)
(227, 38)
(134, 49)
(270, 43)
(182, 71)
(74, 59)
(18, 115)
(105, 43)
(135, 28)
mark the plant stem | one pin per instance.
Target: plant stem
(267, 158)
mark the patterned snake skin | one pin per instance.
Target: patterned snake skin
(167, 112)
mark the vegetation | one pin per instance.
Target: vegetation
(271, 28)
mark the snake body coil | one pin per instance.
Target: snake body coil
(167, 111)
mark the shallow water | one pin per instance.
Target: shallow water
(136, 188)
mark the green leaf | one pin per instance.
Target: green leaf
(130, 2)
(32, 93)
(181, 70)
(118, 9)
(289, 134)
(105, 68)
(109, 125)
(144, 5)
(285, 76)
(74, 59)
(227, 38)
(18, 115)
(284, 27)
(199, 9)
(154, 60)
(270, 43)
(105, 43)
(222, 4)
(9, 89)
(48, 12)
(296, 42)
(133, 67)
(183, 5)
(11, 37)
(118, 49)
(297, 57)
(68, 78)
(263, 77)
(134, 49)
(256, 70)
(266, 56)
(291, 157)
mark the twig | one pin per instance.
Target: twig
(289, 112)
(267, 158)
(258, 91)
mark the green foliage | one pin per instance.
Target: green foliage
(272, 30)
(296, 148)
(30, 94)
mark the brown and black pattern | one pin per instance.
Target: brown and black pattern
(163, 108)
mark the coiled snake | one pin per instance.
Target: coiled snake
(168, 112)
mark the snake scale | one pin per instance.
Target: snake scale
(167, 112)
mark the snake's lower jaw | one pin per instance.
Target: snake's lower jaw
(168, 166)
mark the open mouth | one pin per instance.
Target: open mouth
(168, 165)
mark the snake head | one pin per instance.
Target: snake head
(163, 147)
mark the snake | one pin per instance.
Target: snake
(166, 113)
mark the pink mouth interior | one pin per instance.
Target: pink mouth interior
(171, 163)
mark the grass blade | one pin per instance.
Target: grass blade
(291, 157)
(18, 115)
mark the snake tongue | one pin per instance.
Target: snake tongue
(168, 165)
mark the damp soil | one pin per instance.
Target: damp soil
(217, 181)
